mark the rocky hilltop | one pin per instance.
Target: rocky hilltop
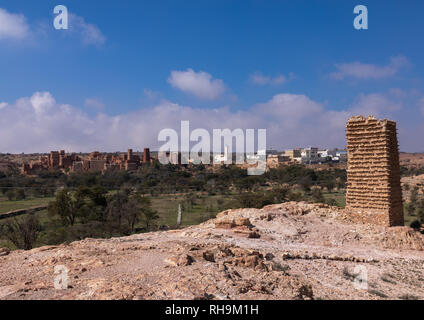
(285, 251)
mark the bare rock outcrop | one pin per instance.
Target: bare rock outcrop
(305, 251)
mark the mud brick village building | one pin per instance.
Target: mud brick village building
(95, 161)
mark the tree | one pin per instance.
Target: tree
(22, 232)
(133, 211)
(340, 185)
(98, 196)
(149, 216)
(255, 200)
(306, 183)
(116, 208)
(410, 208)
(249, 200)
(4, 186)
(330, 185)
(139, 208)
(91, 203)
(331, 202)
(420, 211)
(10, 194)
(20, 194)
(416, 224)
(317, 195)
(66, 207)
(280, 194)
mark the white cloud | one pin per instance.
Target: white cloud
(40, 124)
(260, 79)
(42, 102)
(3, 105)
(375, 104)
(15, 26)
(360, 70)
(89, 33)
(12, 26)
(199, 84)
(94, 103)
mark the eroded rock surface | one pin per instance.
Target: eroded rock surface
(285, 251)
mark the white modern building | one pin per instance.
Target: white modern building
(309, 155)
(222, 158)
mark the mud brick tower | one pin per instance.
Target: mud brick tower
(373, 192)
(146, 155)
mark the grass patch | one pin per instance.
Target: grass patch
(6, 205)
(338, 196)
(204, 208)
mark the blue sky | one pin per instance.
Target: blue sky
(281, 65)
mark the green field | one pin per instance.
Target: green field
(166, 206)
(6, 205)
(204, 208)
(339, 196)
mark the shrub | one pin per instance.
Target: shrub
(22, 232)
(331, 202)
(416, 224)
(317, 195)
